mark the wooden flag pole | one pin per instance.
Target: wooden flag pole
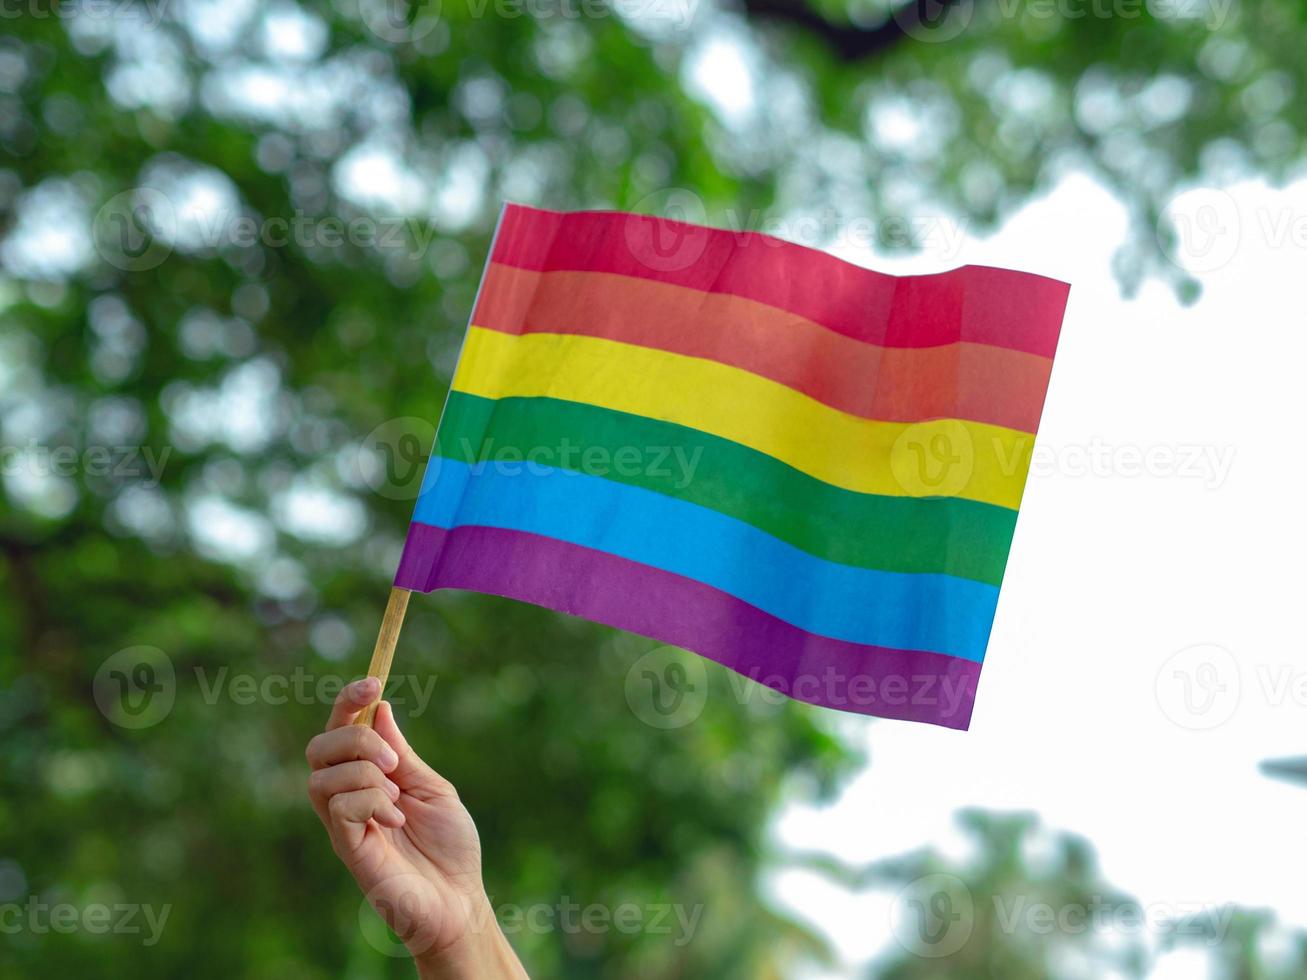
(384, 652)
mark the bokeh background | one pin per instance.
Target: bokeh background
(239, 243)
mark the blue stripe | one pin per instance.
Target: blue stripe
(907, 611)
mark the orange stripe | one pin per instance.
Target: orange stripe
(975, 382)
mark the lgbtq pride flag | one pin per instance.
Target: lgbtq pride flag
(799, 468)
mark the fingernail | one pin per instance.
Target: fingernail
(399, 814)
(363, 688)
(389, 760)
(392, 789)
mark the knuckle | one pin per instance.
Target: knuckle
(371, 744)
(360, 774)
(358, 738)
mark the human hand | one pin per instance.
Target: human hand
(411, 845)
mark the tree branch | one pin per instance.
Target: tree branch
(847, 42)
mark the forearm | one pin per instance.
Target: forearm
(484, 954)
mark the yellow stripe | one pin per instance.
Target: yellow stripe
(945, 458)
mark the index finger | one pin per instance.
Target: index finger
(352, 699)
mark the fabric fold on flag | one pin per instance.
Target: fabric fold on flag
(804, 470)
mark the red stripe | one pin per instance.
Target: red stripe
(978, 304)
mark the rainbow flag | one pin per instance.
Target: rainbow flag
(799, 468)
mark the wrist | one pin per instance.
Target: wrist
(483, 953)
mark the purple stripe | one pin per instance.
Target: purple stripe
(908, 684)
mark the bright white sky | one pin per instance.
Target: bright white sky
(1080, 717)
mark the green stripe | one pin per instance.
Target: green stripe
(950, 535)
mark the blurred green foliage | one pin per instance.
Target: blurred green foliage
(254, 372)
(259, 371)
(1028, 904)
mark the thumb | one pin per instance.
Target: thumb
(412, 775)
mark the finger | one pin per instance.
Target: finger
(348, 744)
(411, 773)
(347, 777)
(359, 807)
(352, 699)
